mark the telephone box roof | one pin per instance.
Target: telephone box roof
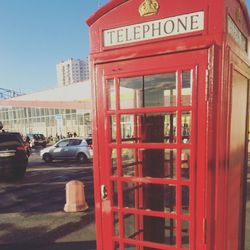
(119, 28)
(114, 3)
(103, 10)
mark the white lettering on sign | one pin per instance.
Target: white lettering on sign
(155, 29)
(237, 35)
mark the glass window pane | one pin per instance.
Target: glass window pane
(130, 164)
(149, 128)
(51, 112)
(160, 90)
(111, 94)
(116, 224)
(113, 128)
(131, 194)
(150, 228)
(157, 163)
(74, 142)
(186, 91)
(186, 126)
(37, 112)
(170, 128)
(148, 91)
(114, 161)
(130, 247)
(143, 162)
(170, 163)
(185, 234)
(63, 143)
(130, 228)
(115, 194)
(154, 197)
(47, 121)
(128, 128)
(131, 92)
(185, 164)
(170, 231)
(158, 127)
(30, 112)
(185, 199)
(116, 246)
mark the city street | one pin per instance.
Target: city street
(31, 210)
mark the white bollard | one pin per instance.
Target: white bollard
(75, 197)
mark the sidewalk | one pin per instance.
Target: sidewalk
(56, 231)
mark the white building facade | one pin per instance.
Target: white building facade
(50, 112)
(72, 71)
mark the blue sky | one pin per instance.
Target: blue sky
(35, 35)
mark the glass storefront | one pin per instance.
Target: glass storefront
(48, 121)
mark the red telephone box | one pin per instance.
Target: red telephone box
(170, 90)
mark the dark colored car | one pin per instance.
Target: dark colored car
(89, 142)
(37, 140)
(13, 155)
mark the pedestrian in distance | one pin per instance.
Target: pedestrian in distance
(1, 127)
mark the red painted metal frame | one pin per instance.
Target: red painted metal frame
(213, 104)
(199, 64)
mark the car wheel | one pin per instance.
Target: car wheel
(47, 158)
(81, 157)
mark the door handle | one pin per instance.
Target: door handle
(104, 192)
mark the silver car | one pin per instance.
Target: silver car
(76, 148)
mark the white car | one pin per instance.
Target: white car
(76, 148)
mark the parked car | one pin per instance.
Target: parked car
(27, 145)
(89, 141)
(13, 155)
(37, 140)
(76, 148)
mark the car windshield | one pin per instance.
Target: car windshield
(39, 136)
(35, 137)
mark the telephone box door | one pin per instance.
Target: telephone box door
(151, 141)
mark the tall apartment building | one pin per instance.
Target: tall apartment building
(72, 71)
